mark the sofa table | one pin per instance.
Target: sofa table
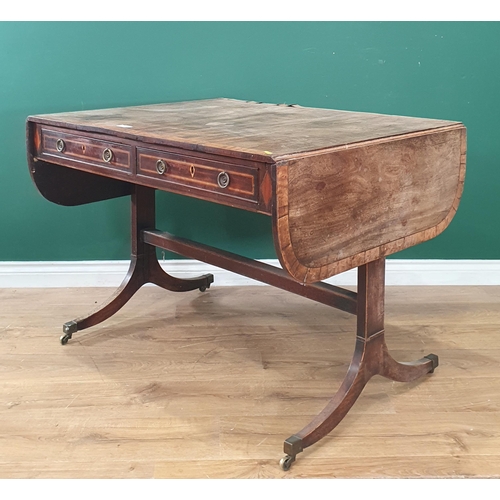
(344, 190)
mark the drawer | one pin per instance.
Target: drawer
(218, 178)
(81, 150)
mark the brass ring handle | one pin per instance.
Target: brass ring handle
(60, 145)
(107, 155)
(161, 167)
(223, 180)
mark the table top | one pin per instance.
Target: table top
(242, 128)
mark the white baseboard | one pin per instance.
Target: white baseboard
(111, 273)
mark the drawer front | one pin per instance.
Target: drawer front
(218, 178)
(80, 150)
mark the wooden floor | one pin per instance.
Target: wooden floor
(197, 385)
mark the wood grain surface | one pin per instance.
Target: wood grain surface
(349, 206)
(241, 128)
(201, 385)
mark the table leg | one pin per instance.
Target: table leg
(371, 357)
(144, 268)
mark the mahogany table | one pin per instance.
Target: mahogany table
(343, 189)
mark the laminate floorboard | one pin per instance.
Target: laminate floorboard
(208, 385)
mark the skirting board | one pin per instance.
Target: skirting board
(111, 273)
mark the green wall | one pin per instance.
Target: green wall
(432, 69)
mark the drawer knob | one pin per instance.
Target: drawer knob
(60, 145)
(107, 155)
(223, 180)
(161, 167)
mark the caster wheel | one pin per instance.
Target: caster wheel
(64, 339)
(203, 288)
(286, 462)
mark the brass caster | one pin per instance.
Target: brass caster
(435, 361)
(69, 329)
(64, 338)
(209, 278)
(286, 462)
